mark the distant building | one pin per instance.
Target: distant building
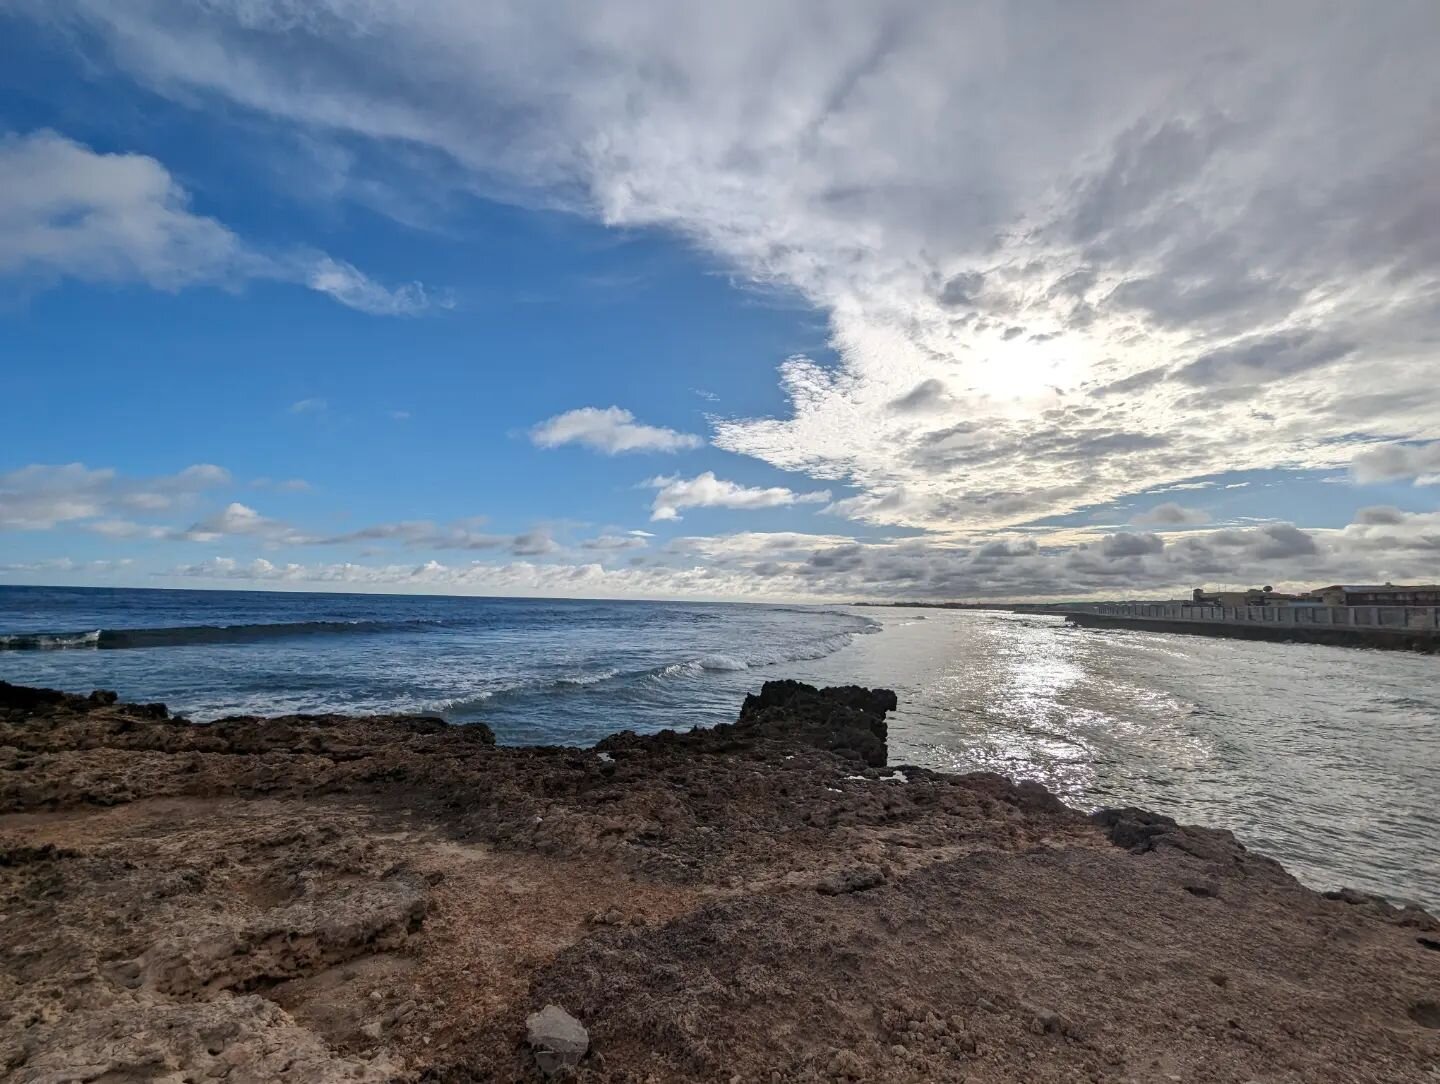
(1253, 596)
(1385, 594)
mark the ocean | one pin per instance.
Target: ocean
(1325, 758)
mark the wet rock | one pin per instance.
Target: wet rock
(556, 1038)
(846, 720)
(1410, 914)
(1134, 829)
(1140, 831)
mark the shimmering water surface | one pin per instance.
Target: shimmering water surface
(1326, 758)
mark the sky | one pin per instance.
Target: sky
(918, 299)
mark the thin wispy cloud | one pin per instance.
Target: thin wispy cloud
(42, 496)
(674, 494)
(610, 430)
(282, 485)
(69, 212)
(353, 288)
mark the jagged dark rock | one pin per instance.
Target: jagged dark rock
(846, 720)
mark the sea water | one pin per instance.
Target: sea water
(1326, 758)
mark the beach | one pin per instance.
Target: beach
(390, 898)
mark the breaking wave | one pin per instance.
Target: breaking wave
(184, 635)
(662, 674)
(49, 641)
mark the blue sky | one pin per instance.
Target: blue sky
(356, 296)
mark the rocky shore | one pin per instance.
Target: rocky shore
(324, 898)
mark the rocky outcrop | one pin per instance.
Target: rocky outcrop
(243, 1040)
(227, 952)
(848, 721)
(329, 898)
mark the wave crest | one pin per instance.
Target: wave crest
(185, 635)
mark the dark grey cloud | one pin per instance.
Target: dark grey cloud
(533, 543)
(928, 395)
(1135, 382)
(1091, 443)
(1131, 545)
(1386, 514)
(1268, 542)
(1262, 358)
(961, 290)
(1395, 462)
(1170, 514)
(1151, 164)
(1204, 295)
(1006, 550)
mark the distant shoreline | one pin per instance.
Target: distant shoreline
(1374, 638)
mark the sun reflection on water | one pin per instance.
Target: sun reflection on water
(1300, 749)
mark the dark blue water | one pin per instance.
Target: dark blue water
(1326, 758)
(535, 670)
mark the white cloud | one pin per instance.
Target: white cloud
(612, 543)
(611, 431)
(309, 406)
(67, 565)
(240, 519)
(757, 543)
(761, 566)
(1233, 216)
(707, 491)
(424, 534)
(1220, 253)
(40, 496)
(523, 578)
(67, 211)
(351, 287)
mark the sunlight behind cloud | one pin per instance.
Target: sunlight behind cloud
(1065, 254)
